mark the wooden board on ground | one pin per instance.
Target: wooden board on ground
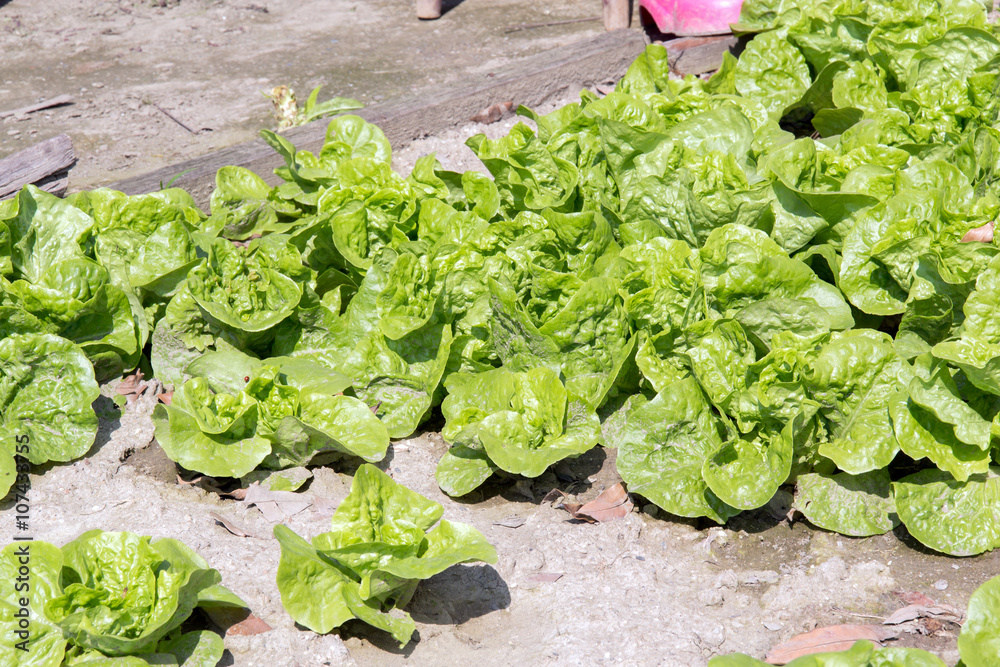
(45, 164)
(697, 55)
(530, 82)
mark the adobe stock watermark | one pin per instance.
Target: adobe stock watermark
(22, 554)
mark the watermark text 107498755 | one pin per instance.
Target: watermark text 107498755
(22, 506)
(22, 523)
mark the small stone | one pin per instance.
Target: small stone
(761, 577)
(727, 579)
(941, 584)
(713, 635)
(710, 597)
(773, 626)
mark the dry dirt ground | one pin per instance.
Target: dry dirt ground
(647, 590)
(131, 64)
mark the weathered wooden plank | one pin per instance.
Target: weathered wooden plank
(36, 164)
(697, 55)
(529, 82)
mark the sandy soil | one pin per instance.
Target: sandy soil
(647, 590)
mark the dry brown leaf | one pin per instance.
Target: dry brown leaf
(919, 606)
(914, 597)
(613, 504)
(166, 397)
(494, 113)
(204, 482)
(129, 384)
(943, 612)
(930, 626)
(984, 234)
(183, 482)
(275, 505)
(133, 386)
(552, 496)
(831, 638)
(237, 621)
(230, 526)
(908, 613)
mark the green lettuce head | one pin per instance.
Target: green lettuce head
(381, 546)
(108, 595)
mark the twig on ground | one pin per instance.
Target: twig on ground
(173, 118)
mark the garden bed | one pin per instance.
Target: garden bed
(650, 587)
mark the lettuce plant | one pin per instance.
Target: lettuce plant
(55, 285)
(227, 425)
(47, 387)
(110, 596)
(368, 566)
(520, 423)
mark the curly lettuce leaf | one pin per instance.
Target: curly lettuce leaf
(663, 448)
(956, 518)
(855, 505)
(47, 387)
(119, 596)
(979, 641)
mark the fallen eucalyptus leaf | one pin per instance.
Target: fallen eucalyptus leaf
(613, 504)
(236, 621)
(983, 234)
(830, 638)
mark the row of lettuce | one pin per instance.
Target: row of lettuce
(117, 598)
(743, 282)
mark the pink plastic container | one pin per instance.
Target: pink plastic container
(692, 17)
